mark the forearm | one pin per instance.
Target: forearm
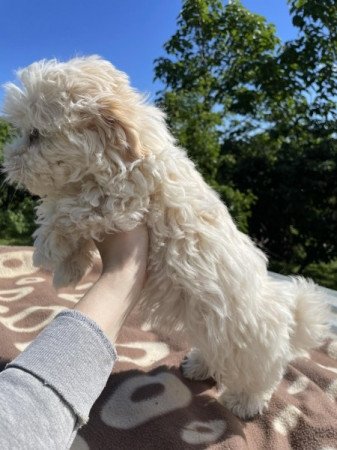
(121, 282)
(47, 392)
(113, 292)
(32, 415)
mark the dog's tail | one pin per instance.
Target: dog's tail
(311, 315)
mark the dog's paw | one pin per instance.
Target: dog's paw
(69, 273)
(245, 405)
(40, 260)
(194, 366)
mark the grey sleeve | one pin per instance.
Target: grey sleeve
(46, 393)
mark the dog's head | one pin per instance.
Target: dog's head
(75, 120)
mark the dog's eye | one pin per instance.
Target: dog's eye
(34, 136)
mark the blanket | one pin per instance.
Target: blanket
(147, 404)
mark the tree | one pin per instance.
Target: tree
(4, 134)
(296, 154)
(205, 57)
(17, 206)
(258, 117)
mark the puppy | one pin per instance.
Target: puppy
(103, 160)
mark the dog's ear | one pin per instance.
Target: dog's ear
(113, 108)
(121, 128)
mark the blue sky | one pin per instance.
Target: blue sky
(129, 33)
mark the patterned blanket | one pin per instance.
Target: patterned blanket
(147, 404)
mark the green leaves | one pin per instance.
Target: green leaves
(16, 206)
(259, 118)
(210, 75)
(4, 135)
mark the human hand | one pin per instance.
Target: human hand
(119, 251)
(124, 261)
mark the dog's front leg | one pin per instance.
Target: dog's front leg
(72, 269)
(57, 250)
(59, 246)
(51, 247)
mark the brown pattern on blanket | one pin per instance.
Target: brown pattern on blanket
(147, 404)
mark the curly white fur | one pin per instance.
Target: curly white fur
(103, 160)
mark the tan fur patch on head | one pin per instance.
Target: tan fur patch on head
(112, 108)
(125, 131)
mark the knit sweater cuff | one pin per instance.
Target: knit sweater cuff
(73, 356)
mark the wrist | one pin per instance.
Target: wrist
(108, 303)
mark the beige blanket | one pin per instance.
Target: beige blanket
(147, 404)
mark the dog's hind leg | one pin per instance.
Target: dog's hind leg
(194, 366)
(245, 401)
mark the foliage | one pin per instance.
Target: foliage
(4, 134)
(17, 206)
(258, 116)
(323, 273)
(295, 211)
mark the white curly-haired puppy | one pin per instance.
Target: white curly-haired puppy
(103, 160)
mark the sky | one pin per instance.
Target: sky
(130, 33)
